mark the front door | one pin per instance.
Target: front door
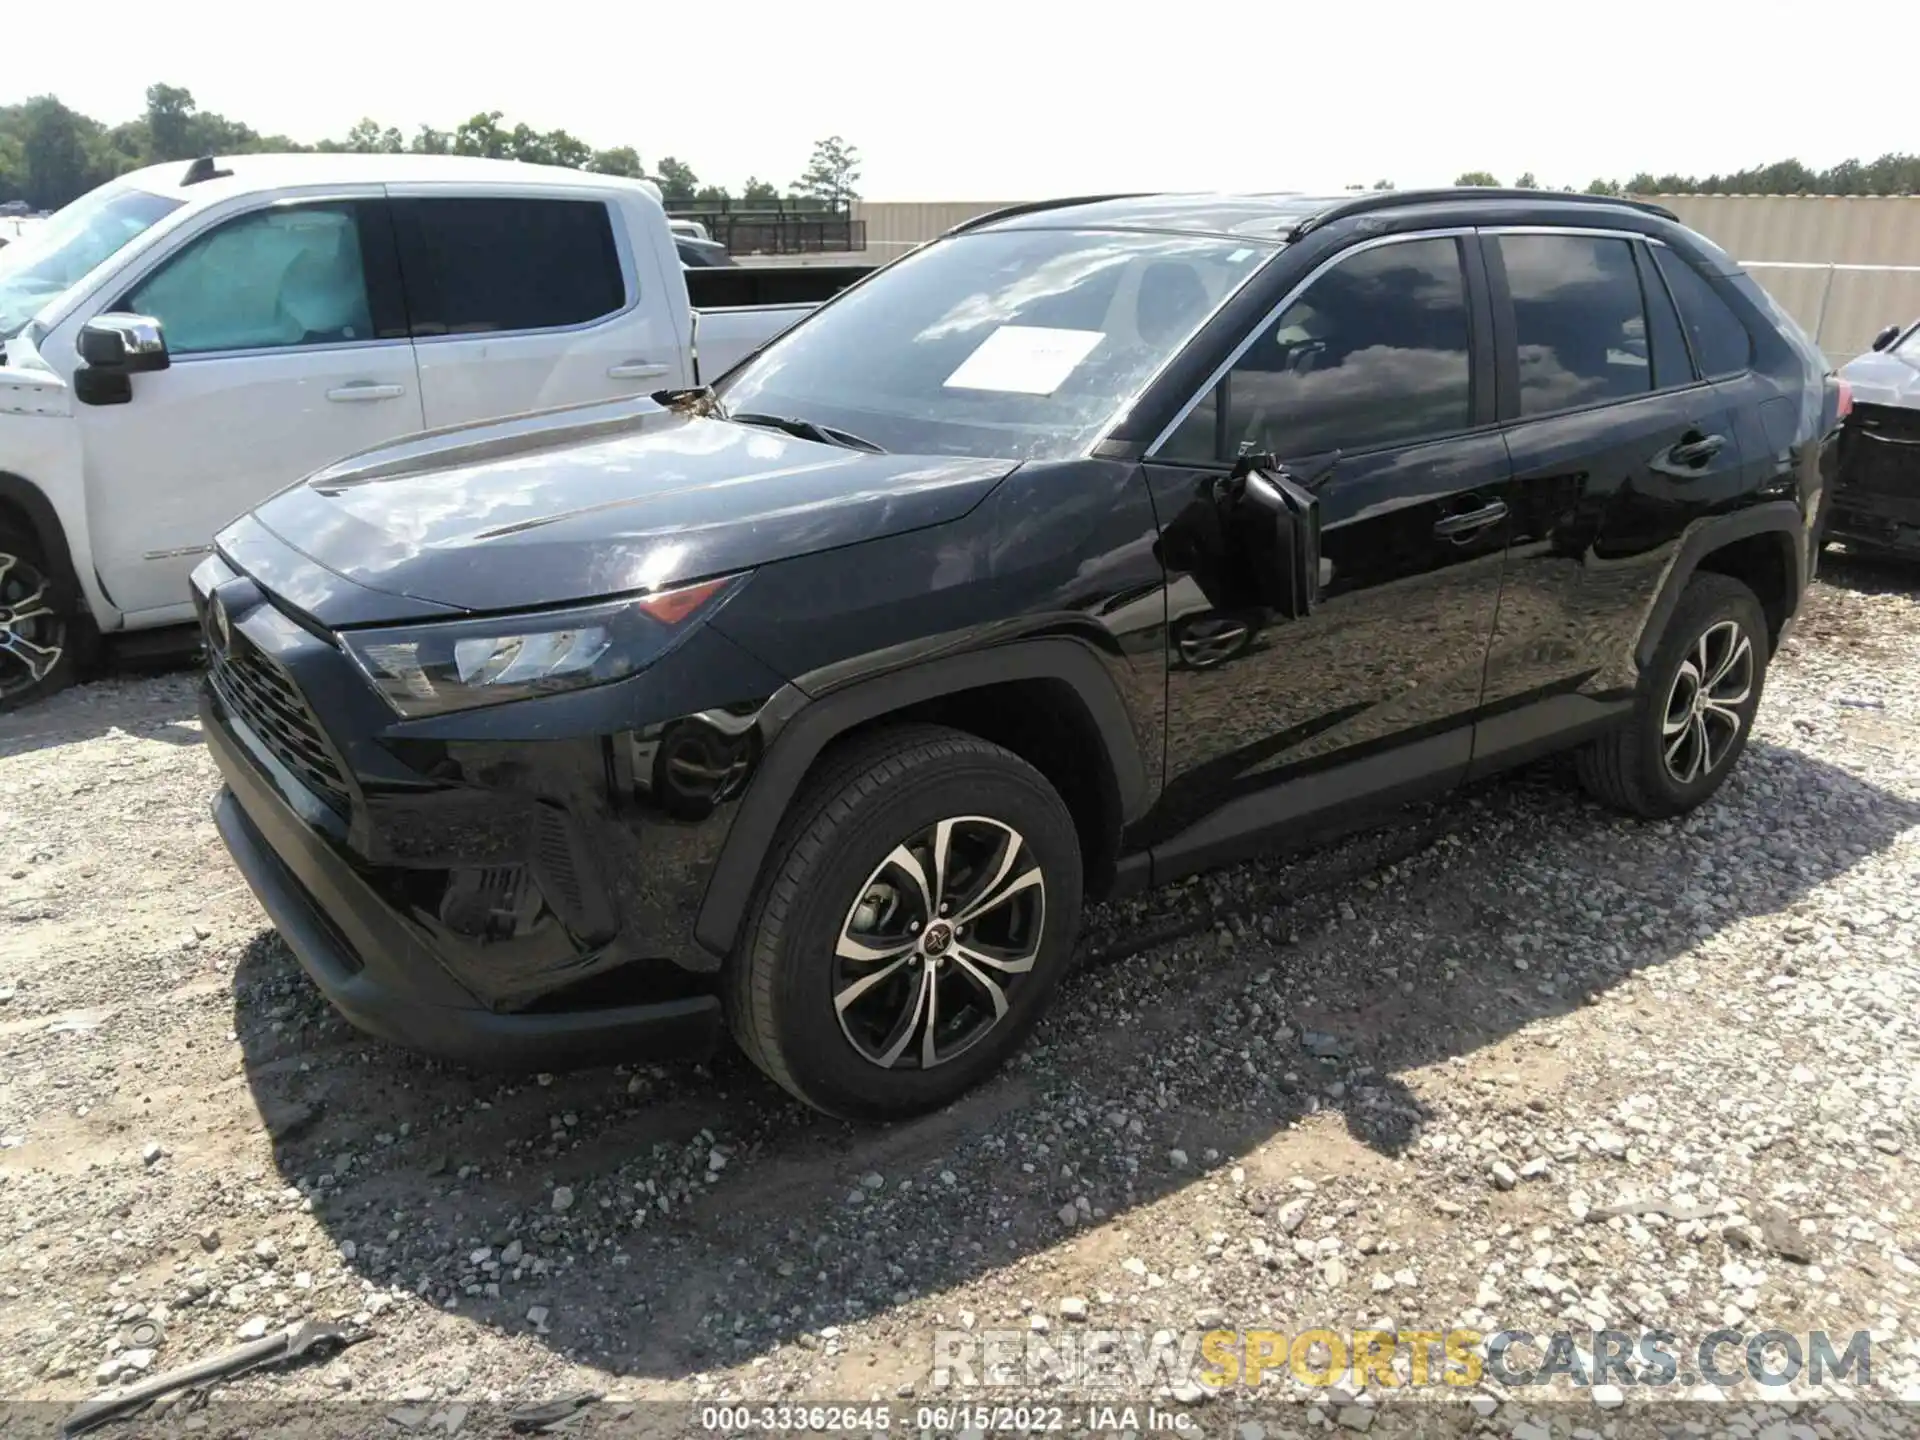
(289, 351)
(1366, 386)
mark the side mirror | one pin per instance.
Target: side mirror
(126, 344)
(1886, 337)
(1279, 525)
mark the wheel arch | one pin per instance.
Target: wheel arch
(1762, 546)
(960, 691)
(26, 502)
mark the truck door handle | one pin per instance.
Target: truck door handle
(366, 390)
(637, 370)
(1459, 527)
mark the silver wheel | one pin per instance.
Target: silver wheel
(32, 636)
(1212, 640)
(1704, 708)
(937, 941)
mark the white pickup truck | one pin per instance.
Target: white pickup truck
(181, 343)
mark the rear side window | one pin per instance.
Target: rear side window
(1579, 324)
(1721, 345)
(1373, 353)
(478, 266)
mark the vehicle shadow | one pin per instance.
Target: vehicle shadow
(151, 706)
(708, 1220)
(1869, 574)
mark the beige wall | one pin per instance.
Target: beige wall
(1762, 231)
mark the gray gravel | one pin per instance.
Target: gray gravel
(1506, 1063)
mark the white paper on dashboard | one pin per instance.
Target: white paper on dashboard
(1024, 359)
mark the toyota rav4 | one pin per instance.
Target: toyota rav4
(1095, 543)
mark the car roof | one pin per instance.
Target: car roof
(245, 174)
(1275, 216)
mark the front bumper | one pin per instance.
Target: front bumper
(376, 972)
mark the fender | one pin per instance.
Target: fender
(819, 722)
(1781, 518)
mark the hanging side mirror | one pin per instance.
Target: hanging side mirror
(1276, 523)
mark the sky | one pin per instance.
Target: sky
(993, 100)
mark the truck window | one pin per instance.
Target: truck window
(271, 279)
(476, 266)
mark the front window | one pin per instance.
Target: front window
(60, 253)
(1006, 344)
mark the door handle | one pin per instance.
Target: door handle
(1460, 527)
(1698, 450)
(366, 390)
(637, 370)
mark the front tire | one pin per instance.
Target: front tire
(918, 912)
(37, 643)
(1695, 709)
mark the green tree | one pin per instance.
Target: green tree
(481, 135)
(1475, 177)
(758, 192)
(833, 172)
(712, 195)
(369, 138)
(53, 149)
(170, 123)
(1526, 181)
(621, 160)
(678, 183)
(1383, 185)
(429, 141)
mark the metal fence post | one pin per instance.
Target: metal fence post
(1820, 316)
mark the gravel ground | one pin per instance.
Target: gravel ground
(1510, 1063)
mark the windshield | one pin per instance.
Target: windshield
(1007, 344)
(60, 252)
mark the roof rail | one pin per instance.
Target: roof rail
(1033, 207)
(1388, 199)
(203, 169)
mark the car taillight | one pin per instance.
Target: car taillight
(1844, 406)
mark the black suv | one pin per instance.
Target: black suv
(1097, 542)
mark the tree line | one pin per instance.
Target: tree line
(1892, 174)
(51, 153)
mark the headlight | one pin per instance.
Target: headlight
(459, 664)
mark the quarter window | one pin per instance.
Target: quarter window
(474, 266)
(1579, 324)
(1721, 345)
(269, 280)
(1374, 353)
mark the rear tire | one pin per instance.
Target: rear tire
(1695, 709)
(852, 987)
(38, 645)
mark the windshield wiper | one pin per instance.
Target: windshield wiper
(807, 430)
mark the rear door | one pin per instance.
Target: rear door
(525, 301)
(1617, 443)
(1367, 382)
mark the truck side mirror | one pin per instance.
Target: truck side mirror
(117, 347)
(1886, 337)
(130, 344)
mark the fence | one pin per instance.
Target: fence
(1841, 306)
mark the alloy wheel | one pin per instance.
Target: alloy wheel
(1704, 714)
(32, 635)
(937, 942)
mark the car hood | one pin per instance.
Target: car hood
(575, 505)
(1881, 379)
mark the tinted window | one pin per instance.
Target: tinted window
(473, 266)
(1015, 344)
(1721, 345)
(1374, 352)
(269, 280)
(1578, 321)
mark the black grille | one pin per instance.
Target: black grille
(1885, 457)
(259, 692)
